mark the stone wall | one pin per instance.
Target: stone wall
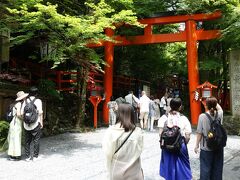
(234, 65)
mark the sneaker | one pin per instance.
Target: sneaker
(29, 159)
(14, 158)
(37, 158)
(10, 158)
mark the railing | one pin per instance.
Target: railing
(94, 80)
(67, 80)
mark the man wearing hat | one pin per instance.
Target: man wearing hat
(15, 129)
(33, 130)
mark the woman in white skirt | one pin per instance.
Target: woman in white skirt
(15, 129)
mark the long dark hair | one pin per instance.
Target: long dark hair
(211, 103)
(125, 116)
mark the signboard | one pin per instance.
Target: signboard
(147, 90)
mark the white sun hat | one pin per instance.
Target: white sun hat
(21, 95)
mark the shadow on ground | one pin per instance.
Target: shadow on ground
(64, 144)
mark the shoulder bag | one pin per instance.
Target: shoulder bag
(124, 141)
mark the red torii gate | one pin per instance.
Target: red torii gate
(190, 35)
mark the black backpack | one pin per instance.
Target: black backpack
(216, 137)
(9, 115)
(171, 139)
(30, 113)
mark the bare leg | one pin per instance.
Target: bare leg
(141, 123)
(151, 123)
(145, 117)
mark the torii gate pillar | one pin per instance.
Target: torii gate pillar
(108, 76)
(193, 74)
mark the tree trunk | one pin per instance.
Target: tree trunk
(81, 93)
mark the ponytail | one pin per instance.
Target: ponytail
(212, 110)
(211, 104)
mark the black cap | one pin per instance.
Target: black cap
(33, 90)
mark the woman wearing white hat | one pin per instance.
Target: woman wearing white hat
(15, 130)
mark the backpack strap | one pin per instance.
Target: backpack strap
(124, 141)
(32, 101)
(217, 118)
(175, 123)
(210, 121)
(209, 117)
(166, 122)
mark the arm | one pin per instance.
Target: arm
(161, 122)
(40, 113)
(199, 137)
(41, 120)
(136, 99)
(220, 112)
(187, 130)
(19, 110)
(218, 107)
(160, 132)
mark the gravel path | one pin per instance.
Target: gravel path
(78, 156)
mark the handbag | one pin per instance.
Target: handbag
(124, 141)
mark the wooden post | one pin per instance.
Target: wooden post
(193, 74)
(95, 100)
(59, 74)
(108, 76)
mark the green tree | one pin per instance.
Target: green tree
(66, 31)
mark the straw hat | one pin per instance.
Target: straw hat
(21, 95)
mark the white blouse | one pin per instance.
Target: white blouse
(177, 120)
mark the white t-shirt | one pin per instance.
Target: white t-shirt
(178, 120)
(144, 103)
(38, 104)
(163, 103)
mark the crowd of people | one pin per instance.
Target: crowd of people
(129, 118)
(147, 110)
(123, 141)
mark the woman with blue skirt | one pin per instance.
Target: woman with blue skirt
(176, 166)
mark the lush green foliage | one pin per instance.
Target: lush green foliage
(4, 126)
(47, 89)
(67, 35)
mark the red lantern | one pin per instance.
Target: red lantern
(206, 90)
